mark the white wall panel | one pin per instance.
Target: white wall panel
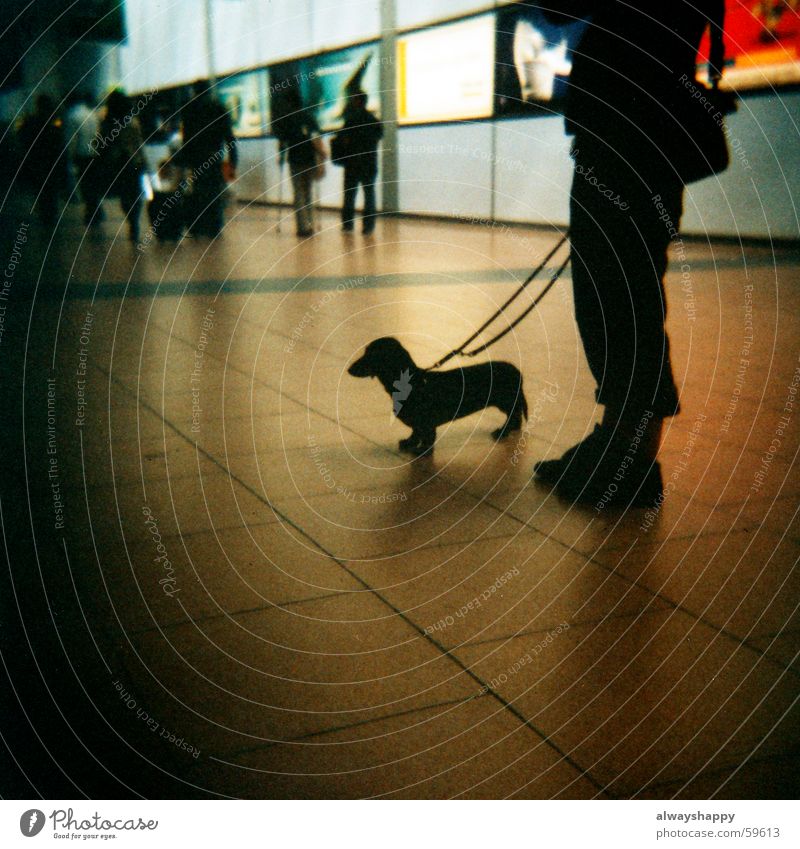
(413, 13)
(166, 44)
(261, 32)
(533, 171)
(448, 169)
(759, 194)
(339, 22)
(252, 171)
(240, 34)
(445, 169)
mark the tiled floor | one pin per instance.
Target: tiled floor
(253, 593)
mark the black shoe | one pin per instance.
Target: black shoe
(347, 228)
(602, 471)
(581, 459)
(638, 485)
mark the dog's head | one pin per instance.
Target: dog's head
(383, 357)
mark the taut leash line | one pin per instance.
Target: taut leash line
(556, 274)
(531, 277)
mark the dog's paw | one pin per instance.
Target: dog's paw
(413, 446)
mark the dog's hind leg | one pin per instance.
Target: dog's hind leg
(513, 422)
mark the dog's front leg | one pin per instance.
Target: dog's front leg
(420, 442)
(408, 443)
(425, 438)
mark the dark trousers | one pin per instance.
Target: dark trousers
(207, 203)
(352, 180)
(86, 167)
(620, 229)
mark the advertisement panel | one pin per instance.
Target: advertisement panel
(245, 98)
(323, 81)
(446, 73)
(534, 60)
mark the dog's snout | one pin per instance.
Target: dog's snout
(359, 368)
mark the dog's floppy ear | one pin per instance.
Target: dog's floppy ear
(363, 366)
(380, 357)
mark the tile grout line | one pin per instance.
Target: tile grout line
(475, 677)
(344, 727)
(270, 605)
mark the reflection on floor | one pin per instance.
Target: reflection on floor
(226, 580)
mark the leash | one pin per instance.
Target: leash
(530, 278)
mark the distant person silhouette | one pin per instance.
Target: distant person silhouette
(120, 149)
(45, 158)
(82, 125)
(360, 136)
(208, 140)
(627, 93)
(297, 131)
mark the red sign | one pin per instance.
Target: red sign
(762, 41)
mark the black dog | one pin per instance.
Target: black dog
(423, 400)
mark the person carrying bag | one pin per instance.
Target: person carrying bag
(641, 133)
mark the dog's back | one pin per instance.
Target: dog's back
(423, 400)
(460, 392)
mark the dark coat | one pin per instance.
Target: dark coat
(626, 74)
(295, 131)
(207, 136)
(361, 133)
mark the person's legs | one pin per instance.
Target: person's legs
(369, 204)
(308, 206)
(130, 199)
(207, 201)
(301, 182)
(619, 257)
(620, 236)
(89, 189)
(47, 204)
(349, 205)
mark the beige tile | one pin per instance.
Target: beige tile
(753, 779)
(589, 530)
(470, 750)
(201, 576)
(649, 698)
(499, 587)
(189, 503)
(745, 581)
(246, 435)
(400, 520)
(282, 672)
(783, 648)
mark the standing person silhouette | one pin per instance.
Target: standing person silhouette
(208, 140)
(82, 126)
(121, 152)
(45, 158)
(625, 102)
(361, 133)
(297, 131)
